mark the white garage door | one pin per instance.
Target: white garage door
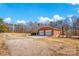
(41, 33)
(48, 32)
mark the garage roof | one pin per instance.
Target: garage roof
(48, 28)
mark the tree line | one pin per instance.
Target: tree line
(69, 26)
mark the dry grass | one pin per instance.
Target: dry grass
(16, 34)
(3, 48)
(62, 46)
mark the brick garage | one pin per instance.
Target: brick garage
(48, 31)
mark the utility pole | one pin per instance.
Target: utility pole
(13, 27)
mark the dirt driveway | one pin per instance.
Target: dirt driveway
(22, 46)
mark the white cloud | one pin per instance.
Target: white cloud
(7, 20)
(57, 17)
(78, 10)
(74, 3)
(21, 21)
(70, 15)
(46, 19)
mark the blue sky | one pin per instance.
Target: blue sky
(24, 12)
